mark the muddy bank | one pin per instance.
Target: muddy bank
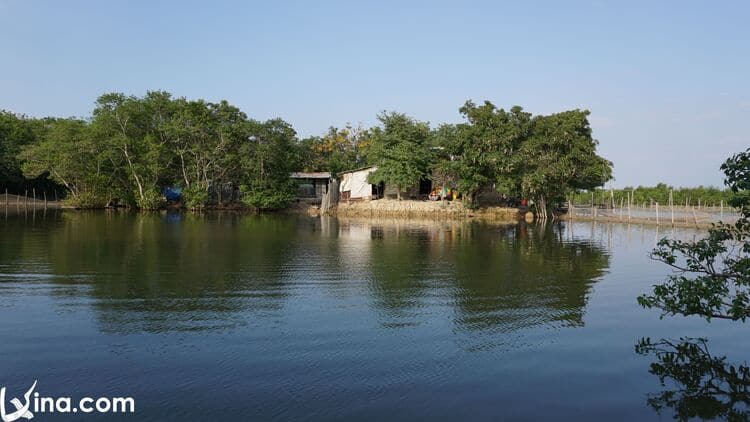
(424, 209)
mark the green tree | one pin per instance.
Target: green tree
(482, 151)
(131, 127)
(267, 160)
(558, 157)
(400, 148)
(73, 159)
(712, 277)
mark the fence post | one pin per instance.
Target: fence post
(671, 205)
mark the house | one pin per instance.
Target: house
(354, 185)
(311, 186)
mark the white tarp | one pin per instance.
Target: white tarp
(356, 183)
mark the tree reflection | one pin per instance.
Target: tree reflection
(173, 272)
(699, 385)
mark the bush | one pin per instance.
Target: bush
(152, 200)
(195, 197)
(268, 198)
(86, 201)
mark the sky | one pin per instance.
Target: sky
(666, 82)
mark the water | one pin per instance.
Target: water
(232, 317)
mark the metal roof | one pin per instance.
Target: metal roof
(312, 175)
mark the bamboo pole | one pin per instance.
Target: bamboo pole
(657, 213)
(45, 200)
(6, 197)
(33, 193)
(721, 205)
(26, 198)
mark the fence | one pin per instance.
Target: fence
(36, 200)
(654, 213)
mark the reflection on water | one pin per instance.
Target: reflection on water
(289, 317)
(698, 384)
(161, 272)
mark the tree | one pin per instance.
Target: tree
(400, 150)
(73, 159)
(206, 139)
(267, 160)
(338, 150)
(482, 150)
(712, 277)
(559, 156)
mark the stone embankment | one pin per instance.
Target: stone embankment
(424, 209)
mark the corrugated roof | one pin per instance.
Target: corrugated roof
(312, 175)
(359, 169)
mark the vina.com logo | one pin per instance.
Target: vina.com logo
(40, 404)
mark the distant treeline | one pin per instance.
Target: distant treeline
(131, 148)
(704, 196)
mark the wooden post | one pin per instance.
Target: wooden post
(721, 205)
(33, 192)
(570, 209)
(18, 201)
(657, 213)
(671, 205)
(45, 200)
(695, 219)
(621, 204)
(26, 198)
(55, 195)
(6, 197)
(630, 202)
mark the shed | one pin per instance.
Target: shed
(311, 185)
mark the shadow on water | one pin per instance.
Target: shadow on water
(697, 384)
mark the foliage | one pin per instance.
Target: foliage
(559, 157)
(267, 160)
(400, 148)
(712, 276)
(86, 200)
(72, 158)
(338, 150)
(194, 197)
(708, 386)
(268, 197)
(151, 199)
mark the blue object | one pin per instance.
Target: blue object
(172, 193)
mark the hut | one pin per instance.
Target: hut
(354, 185)
(311, 186)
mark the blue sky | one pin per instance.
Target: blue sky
(666, 82)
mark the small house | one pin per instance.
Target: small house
(311, 186)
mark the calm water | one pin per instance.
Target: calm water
(230, 317)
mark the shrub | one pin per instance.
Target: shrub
(268, 198)
(86, 200)
(152, 200)
(195, 197)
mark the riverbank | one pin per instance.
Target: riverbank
(424, 209)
